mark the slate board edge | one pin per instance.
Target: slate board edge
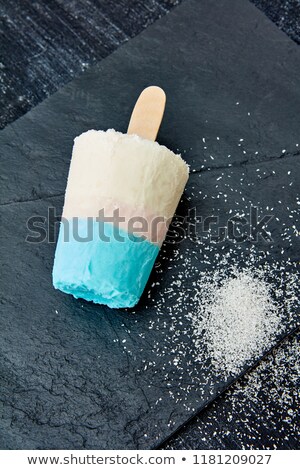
(92, 68)
(248, 370)
(144, 32)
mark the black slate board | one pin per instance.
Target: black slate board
(69, 382)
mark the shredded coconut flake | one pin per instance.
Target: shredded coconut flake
(236, 318)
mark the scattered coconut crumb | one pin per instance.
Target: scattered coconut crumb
(263, 405)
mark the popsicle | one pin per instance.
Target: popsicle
(121, 195)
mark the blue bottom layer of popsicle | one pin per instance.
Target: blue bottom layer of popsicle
(95, 262)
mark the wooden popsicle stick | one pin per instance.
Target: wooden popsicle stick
(148, 112)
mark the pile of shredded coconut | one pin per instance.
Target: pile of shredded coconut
(236, 318)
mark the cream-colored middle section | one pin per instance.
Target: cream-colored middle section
(142, 179)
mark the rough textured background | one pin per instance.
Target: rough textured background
(65, 38)
(284, 13)
(44, 44)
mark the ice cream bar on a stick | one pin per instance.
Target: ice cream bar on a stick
(122, 192)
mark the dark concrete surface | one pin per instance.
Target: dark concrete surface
(42, 47)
